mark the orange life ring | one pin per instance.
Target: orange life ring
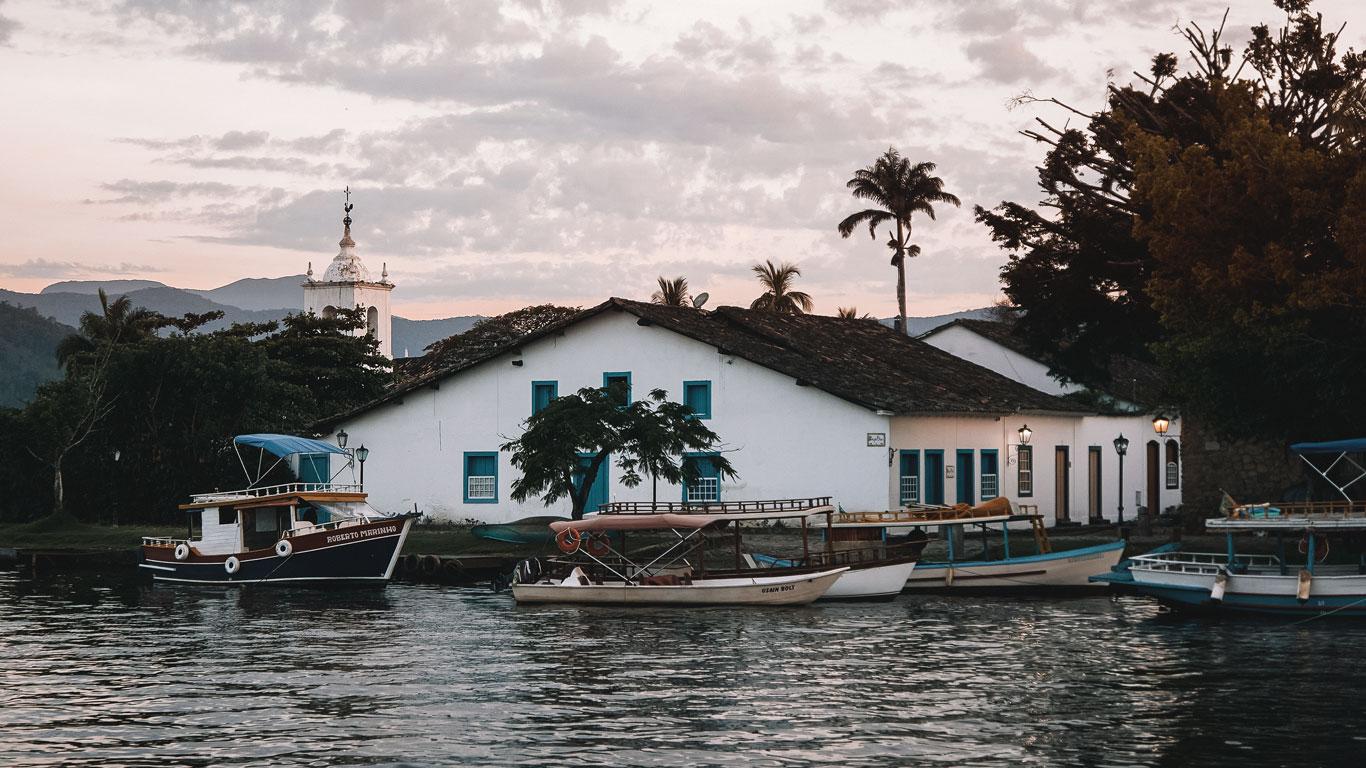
(597, 545)
(569, 541)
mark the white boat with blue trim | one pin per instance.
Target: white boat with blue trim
(993, 566)
(304, 533)
(1323, 573)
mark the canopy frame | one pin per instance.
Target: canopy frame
(1343, 456)
(282, 447)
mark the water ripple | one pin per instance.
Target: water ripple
(98, 673)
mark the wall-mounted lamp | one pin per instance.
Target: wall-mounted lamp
(1025, 434)
(1161, 424)
(341, 438)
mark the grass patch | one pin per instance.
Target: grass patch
(74, 535)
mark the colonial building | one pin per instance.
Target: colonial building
(1152, 464)
(347, 284)
(804, 405)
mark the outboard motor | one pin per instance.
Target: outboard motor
(528, 571)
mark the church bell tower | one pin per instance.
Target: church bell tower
(347, 283)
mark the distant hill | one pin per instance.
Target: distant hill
(93, 287)
(411, 337)
(28, 346)
(259, 292)
(919, 325)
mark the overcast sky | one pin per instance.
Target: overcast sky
(503, 154)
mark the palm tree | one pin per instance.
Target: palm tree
(778, 294)
(851, 313)
(901, 189)
(117, 322)
(671, 293)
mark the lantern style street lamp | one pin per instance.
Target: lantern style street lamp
(1025, 434)
(362, 453)
(1121, 448)
(341, 439)
(1161, 424)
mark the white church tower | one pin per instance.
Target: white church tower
(347, 283)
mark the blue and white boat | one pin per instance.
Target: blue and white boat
(1323, 572)
(314, 531)
(989, 565)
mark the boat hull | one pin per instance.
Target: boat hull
(1267, 594)
(1070, 570)
(780, 590)
(881, 582)
(362, 554)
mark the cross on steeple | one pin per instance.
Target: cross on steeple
(347, 207)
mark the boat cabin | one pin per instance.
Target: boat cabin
(228, 524)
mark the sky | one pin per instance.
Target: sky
(502, 154)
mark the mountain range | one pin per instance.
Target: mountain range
(33, 323)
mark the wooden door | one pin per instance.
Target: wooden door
(1062, 484)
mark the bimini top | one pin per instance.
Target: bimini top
(286, 445)
(1354, 445)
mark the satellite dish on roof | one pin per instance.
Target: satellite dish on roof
(700, 299)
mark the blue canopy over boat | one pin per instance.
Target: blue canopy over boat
(287, 445)
(1354, 445)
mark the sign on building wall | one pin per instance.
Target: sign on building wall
(877, 439)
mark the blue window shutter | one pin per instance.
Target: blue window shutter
(612, 377)
(697, 396)
(481, 477)
(542, 392)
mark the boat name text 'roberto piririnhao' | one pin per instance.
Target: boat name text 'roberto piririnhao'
(365, 534)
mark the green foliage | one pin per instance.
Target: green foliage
(1079, 271)
(169, 405)
(671, 293)
(26, 343)
(901, 190)
(1259, 272)
(1206, 216)
(779, 295)
(645, 438)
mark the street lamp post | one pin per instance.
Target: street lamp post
(362, 453)
(1121, 448)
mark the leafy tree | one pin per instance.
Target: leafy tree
(647, 436)
(1258, 247)
(1079, 271)
(902, 190)
(851, 313)
(117, 322)
(778, 294)
(671, 293)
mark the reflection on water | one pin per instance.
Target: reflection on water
(96, 673)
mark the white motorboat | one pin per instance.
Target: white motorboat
(797, 589)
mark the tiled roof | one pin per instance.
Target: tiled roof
(861, 361)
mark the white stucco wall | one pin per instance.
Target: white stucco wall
(784, 440)
(1077, 434)
(961, 342)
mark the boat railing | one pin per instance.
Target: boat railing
(812, 503)
(915, 515)
(162, 541)
(277, 490)
(1199, 562)
(303, 529)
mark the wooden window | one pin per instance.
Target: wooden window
(1173, 465)
(481, 477)
(697, 396)
(542, 392)
(910, 477)
(1025, 471)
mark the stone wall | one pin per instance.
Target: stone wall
(1250, 470)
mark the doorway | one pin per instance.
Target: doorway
(1062, 484)
(1154, 497)
(934, 477)
(1093, 486)
(965, 477)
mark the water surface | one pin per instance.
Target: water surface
(121, 673)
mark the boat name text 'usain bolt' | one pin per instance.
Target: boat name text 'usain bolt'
(365, 534)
